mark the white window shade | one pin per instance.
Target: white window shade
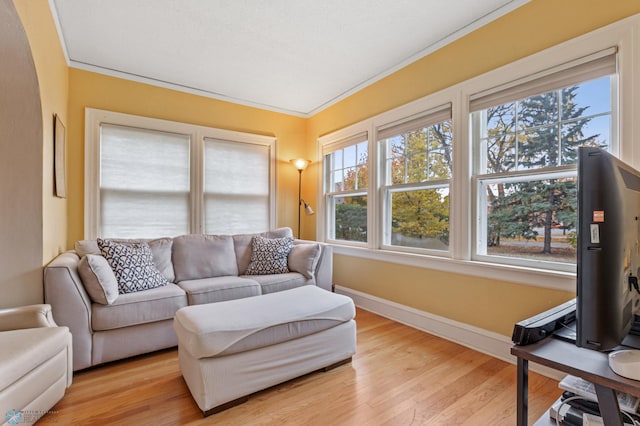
(144, 183)
(420, 121)
(236, 187)
(343, 143)
(584, 69)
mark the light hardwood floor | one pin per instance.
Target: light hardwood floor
(399, 376)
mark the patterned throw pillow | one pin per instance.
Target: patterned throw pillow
(132, 265)
(269, 255)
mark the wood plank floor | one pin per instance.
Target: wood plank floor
(399, 376)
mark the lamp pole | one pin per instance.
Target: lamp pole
(299, 198)
(300, 164)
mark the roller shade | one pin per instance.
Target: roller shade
(144, 183)
(580, 70)
(236, 187)
(343, 143)
(435, 116)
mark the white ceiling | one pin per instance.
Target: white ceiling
(292, 56)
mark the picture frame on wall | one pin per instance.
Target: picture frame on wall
(59, 158)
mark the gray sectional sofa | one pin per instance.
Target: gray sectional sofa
(110, 323)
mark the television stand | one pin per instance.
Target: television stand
(581, 362)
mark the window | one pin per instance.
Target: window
(480, 178)
(525, 149)
(416, 174)
(144, 182)
(347, 177)
(236, 186)
(148, 178)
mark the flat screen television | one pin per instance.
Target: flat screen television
(608, 258)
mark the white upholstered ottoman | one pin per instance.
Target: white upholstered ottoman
(229, 350)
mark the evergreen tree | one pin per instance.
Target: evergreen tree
(351, 221)
(520, 208)
(501, 149)
(351, 214)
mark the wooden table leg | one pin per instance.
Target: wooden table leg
(522, 391)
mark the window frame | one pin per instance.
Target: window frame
(388, 189)
(326, 215)
(197, 135)
(125, 187)
(248, 143)
(624, 35)
(479, 235)
(479, 177)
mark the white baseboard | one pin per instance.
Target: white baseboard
(487, 342)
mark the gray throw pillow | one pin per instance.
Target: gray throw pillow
(98, 279)
(197, 256)
(132, 265)
(304, 259)
(269, 255)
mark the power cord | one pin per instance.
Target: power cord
(573, 398)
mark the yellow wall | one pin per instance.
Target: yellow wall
(88, 89)
(482, 302)
(529, 29)
(53, 79)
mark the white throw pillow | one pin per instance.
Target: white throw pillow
(98, 278)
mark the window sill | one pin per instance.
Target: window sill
(556, 280)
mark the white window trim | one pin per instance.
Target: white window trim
(624, 34)
(95, 117)
(387, 192)
(425, 110)
(333, 142)
(481, 220)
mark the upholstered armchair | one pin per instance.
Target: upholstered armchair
(36, 363)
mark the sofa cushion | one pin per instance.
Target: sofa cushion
(160, 248)
(198, 256)
(98, 279)
(304, 259)
(269, 255)
(273, 283)
(218, 289)
(141, 307)
(133, 265)
(242, 244)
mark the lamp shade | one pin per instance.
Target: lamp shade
(300, 163)
(308, 210)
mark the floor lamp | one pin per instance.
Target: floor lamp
(301, 164)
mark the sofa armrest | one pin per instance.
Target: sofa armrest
(324, 269)
(70, 304)
(31, 316)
